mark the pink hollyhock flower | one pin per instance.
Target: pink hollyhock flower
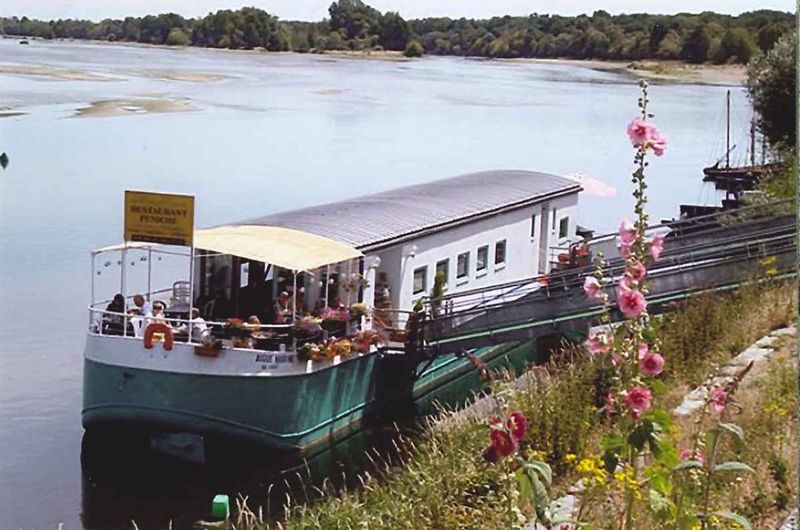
(625, 251)
(638, 399)
(611, 403)
(627, 232)
(592, 288)
(503, 443)
(636, 270)
(517, 424)
(687, 454)
(626, 283)
(644, 349)
(641, 132)
(651, 364)
(719, 398)
(656, 246)
(598, 343)
(658, 145)
(631, 301)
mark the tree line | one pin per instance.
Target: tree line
(354, 25)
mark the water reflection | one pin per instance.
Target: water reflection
(124, 478)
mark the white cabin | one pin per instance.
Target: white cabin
(480, 229)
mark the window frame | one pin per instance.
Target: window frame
(478, 269)
(463, 277)
(424, 270)
(497, 244)
(446, 262)
(564, 227)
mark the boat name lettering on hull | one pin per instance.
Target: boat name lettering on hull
(272, 358)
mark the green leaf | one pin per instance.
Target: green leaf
(735, 517)
(688, 464)
(660, 417)
(733, 429)
(648, 432)
(660, 504)
(541, 468)
(610, 442)
(525, 487)
(733, 466)
(658, 387)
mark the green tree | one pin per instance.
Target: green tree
(772, 91)
(670, 46)
(178, 37)
(736, 45)
(395, 32)
(769, 35)
(357, 19)
(696, 46)
(414, 49)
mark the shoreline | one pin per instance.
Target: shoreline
(650, 69)
(659, 71)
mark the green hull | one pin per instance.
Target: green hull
(290, 412)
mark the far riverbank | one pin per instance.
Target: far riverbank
(661, 71)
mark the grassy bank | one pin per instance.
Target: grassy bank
(446, 484)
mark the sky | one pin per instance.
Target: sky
(318, 9)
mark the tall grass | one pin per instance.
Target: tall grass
(445, 484)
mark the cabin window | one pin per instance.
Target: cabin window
(462, 265)
(443, 267)
(500, 252)
(420, 280)
(563, 227)
(533, 225)
(482, 258)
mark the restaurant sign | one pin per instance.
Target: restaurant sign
(164, 218)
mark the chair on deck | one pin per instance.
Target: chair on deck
(181, 294)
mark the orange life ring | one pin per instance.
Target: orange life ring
(158, 327)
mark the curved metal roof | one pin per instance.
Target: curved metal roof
(392, 216)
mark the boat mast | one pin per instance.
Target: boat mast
(753, 142)
(728, 131)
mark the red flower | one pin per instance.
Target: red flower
(638, 400)
(517, 424)
(490, 454)
(502, 443)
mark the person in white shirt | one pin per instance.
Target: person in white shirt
(145, 307)
(199, 327)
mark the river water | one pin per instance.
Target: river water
(265, 132)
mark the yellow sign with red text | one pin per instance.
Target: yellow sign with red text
(164, 218)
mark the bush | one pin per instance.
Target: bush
(414, 49)
(178, 37)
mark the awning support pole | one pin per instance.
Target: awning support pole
(149, 270)
(91, 306)
(294, 295)
(123, 287)
(191, 291)
(294, 310)
(350, 281)
(327, 282)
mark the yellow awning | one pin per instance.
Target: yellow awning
(283, 247)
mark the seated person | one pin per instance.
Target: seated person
(145, 308)
(136, 322)
(113, 320)
(297, 304)
(282, 314)
(199, 327)
(158, 314)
